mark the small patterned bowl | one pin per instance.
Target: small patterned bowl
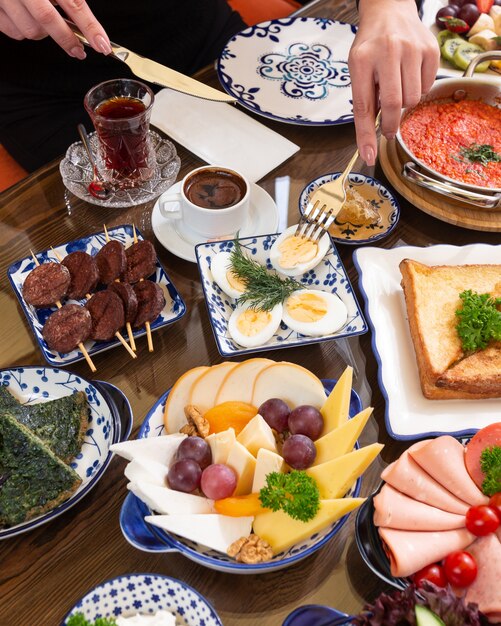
(146, 594)
(373, 191)
(38, 384)
(150, 538)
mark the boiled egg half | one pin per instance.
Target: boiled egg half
(292, 255)
(314, 313)
(222, 274)
(251, 327)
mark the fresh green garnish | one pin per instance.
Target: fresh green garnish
(490, 464)
(263, 290)
(479, 320)
(295, 493)
(79, 620)
(480, 153)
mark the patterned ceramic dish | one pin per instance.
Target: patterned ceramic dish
(149, 538)
(146, 594)
(373, 191)
(316, 615)
(292, 70)
(110, 421)
(173, 310)
(76, 172)
(329, 275)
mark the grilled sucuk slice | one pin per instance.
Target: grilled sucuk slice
(151, 301)
(141, 261)
(67, 327)
(129, 299)
(111, 262)
(107, 312)
(46, 284)
(84, 273)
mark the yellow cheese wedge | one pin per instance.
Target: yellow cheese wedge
(256, 435)
(336, 408)
(221, 444)
(244, 464)
(282, 532)
(335, 477)
(342, 439)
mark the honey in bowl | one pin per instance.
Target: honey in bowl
(215, 188)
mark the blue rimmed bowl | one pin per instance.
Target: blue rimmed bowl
(316, 615)
(110, 421)
(150, 538)
(372, 190)
(146, 594)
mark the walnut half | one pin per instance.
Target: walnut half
(197, 426)
(251, 550)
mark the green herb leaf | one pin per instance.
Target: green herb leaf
(295, 493)
(490, 464)
(480, 153)
(263, 290)
(79, 620)
(479, 320)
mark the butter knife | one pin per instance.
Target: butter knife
(159, 74)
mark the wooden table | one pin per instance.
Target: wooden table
(44, 572)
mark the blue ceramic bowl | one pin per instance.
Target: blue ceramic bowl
(316, 615)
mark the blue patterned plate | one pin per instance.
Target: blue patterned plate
(373, 191)
(292, 70)
(316, 615)
(150, 538)
(173, 310)
(146, 594)
(40, 384)
(328, 275)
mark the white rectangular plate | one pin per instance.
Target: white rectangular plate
(409, 415)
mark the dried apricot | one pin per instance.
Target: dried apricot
(231, 414)
(240, 506)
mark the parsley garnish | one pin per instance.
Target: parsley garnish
(490, 464)
(479, 320)
(263, 290)
(79, 620)
(295, 493)
(480, 153)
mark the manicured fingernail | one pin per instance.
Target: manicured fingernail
(102, 45)
(78, 53)
(368, 155)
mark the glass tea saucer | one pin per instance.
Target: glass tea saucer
(76, 172)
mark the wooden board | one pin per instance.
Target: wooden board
(447, 210)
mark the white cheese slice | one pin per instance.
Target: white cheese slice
(266, 463)
(256, 435)
(170, 502)
(220, 444)
(160, 449)
(213, 531)
(244, 464)
(143, 470)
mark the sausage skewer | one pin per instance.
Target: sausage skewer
(127, 324)
(80, 345)
(147, 324)
(118, 335)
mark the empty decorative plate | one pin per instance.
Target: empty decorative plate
(292, 70)
(329, 275)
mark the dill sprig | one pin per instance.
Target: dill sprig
(263, 290)
(480, 153)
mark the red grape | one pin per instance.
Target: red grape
(459, 3)
(197, 449)
(306, 420)
(469, 13)
(184, 475)
(460, 569)
(299, 451)
(497, 3)
(482, 520)
(275, 413)
(433, 573)
(450, 10)
(218, 481)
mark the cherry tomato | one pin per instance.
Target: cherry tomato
(482, 520)
(495, 503)
(460, 569)
(434, 573)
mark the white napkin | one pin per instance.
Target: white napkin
(220, 134)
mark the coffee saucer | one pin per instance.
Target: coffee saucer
(178, 238)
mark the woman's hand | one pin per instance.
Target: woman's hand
(36, 19)
(394, 59)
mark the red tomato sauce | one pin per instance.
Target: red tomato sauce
(437, 132)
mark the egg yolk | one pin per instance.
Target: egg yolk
(296, 250)
(306, 307)
(252, 322)
(234, 281)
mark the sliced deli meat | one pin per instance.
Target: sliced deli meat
(486, 588)
(409, 478)
(443, 458)
(409, 551)
(393, 509)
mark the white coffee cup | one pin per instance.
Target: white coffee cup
(209, 221)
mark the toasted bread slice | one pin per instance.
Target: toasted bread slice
(432, 298)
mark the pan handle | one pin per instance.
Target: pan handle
(494, 55)
(411, 172)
